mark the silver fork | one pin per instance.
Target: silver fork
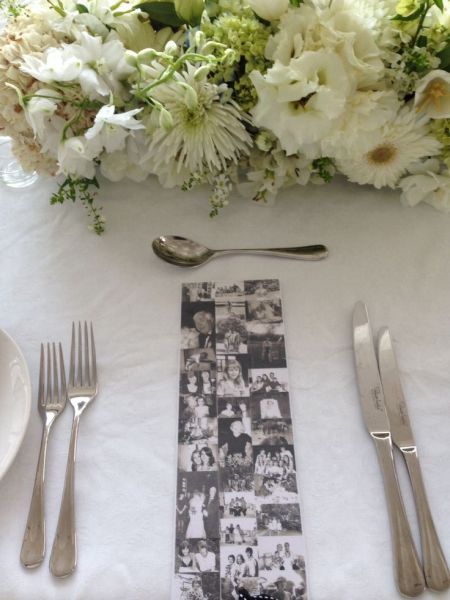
(81, 390)
(52, 399)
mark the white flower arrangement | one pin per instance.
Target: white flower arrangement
(249, 94)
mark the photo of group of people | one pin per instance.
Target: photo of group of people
(237, 513)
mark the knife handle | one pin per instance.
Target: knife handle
(434, 564)
(409, 575)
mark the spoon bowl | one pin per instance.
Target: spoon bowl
(184, 252)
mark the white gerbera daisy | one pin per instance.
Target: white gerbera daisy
(207, 131)
(381, 157)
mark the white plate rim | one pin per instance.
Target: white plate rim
(12, 341)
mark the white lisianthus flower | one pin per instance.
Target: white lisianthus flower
(381, 157)
(270, 10)
(110, 130)
(55, 65)
(301, 102)
(75, 158)
(337, 28)
(428, 187)
(433, 95)
(40, 108)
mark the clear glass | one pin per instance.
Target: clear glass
(11, 173)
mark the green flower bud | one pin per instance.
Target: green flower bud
(190, 10)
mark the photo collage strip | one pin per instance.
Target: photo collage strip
(238, 522)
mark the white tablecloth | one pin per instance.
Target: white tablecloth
(53, 270)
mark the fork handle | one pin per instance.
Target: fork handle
(63, 559)
(435, 567)
(33, 545)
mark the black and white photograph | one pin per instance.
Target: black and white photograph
(197, 457)
(193, 586)
(271, 432)
(289, 586)
(229, 290)
(263, 303)
(197, 508)
(268, 383)
(231, 408)
(231, 329)
(278, 519)
(235, 444)
(274, 461)
(275, 489)
(238, 531)
(197, 325)
(198, 406)
(232, 375)
(197, 556)
(237, 504)
(198, 291)
(283, 556)
(238, 561)
(237, 479)
(266, 350)
(198, 372)
(272, 408)
(198, 431)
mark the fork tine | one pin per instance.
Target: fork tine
(49, 376)
(87, 375)
(55, 394)
(80, 358)
(63, 376)
(94, 359)
(41, 399)
(72, 358)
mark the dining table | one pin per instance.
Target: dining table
(54, 270)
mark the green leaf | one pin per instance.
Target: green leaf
(440, 4)
(81, 8)
(162, 13)
(444, 57)
(412, 17)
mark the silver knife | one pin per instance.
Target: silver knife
(435, 567)
(408, 571)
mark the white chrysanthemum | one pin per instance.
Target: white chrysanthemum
(301, 102)
(429, 187)
(381, 157)
(207, 132)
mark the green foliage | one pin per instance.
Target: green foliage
(444, 57)
(80, 189)
(161, 13)
(324, 167)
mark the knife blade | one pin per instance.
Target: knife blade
(396, 407)
(408, 571)
(435, 566)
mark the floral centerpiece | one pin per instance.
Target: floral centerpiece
(257, 94)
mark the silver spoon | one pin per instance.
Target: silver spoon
(183, 252)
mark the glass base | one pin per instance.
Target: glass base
(14, 176)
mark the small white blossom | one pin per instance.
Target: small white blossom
(110, 130)
(428, 187)
(270, 10)
(433, 95)
(75, 158)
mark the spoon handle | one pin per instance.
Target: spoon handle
(317, 252)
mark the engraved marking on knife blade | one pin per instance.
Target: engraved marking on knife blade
(403, 412)
(377, 397)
